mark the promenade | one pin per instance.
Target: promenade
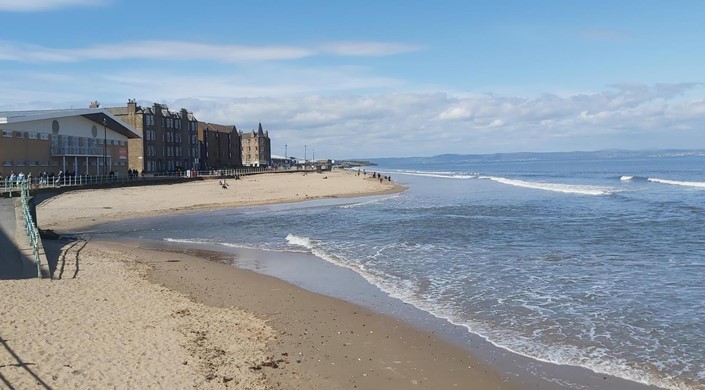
(14, 262)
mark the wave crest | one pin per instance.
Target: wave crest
(555, 187)
(693, 184)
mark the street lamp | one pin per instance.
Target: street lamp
(105, 144)
(305, 159)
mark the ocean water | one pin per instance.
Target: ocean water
(592, 262)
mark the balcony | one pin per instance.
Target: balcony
(76, 150)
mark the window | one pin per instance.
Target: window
(44, 136)
(7, 133)
(33, 163)
(7, 163)
(19, 134)
(32, 135)
(21, 163)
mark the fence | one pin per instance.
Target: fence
(30, 226)
(11, 185)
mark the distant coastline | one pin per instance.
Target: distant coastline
(541, 156)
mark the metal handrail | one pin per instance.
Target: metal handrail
(30, 226)
(9, 186)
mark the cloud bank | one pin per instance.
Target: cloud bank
(424, 124)
(44, 5)
(417, 124)
(174, 51)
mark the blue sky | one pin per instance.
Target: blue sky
(377, 78)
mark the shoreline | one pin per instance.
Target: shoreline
(513, 370)
(79, 209)
(322, 342)
(201, 290)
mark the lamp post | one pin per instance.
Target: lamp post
(285, 146)
(105, 145)
(313, 155)
(305, 159)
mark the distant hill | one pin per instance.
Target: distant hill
(353, 163)
(543, 156)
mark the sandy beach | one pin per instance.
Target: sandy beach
(129, 315)
(82, 208)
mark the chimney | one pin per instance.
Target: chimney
(131, 106)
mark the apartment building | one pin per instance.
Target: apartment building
(220, 146)
(168, 142)
(256, 148)
(82, 141)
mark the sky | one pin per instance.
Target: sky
(366, 79)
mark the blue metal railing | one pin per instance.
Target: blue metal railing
(9, 185)
(30, 226)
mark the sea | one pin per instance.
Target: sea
(593, 260)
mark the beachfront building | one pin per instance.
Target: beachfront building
(168, 139)
(282, 161)
(220, 146)
(89, 141)
(256, 148)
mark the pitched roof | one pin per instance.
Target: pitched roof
(98, 115)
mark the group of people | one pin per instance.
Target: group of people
(376, 175)
(133, 173)
(14, 180)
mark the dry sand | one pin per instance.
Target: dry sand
(120, 315)
(86, 207)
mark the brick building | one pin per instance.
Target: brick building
(168, 140)
(220, 146)
(256, 148)
(88, 141)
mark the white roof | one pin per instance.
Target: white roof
(97, 115)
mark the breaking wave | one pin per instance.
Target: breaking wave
(555, 187)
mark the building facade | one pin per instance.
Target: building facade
(256, 148)
(220, 146)
(168, 142)
(77, 141)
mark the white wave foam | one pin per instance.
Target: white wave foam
(626, 178)
(368, 202)
(555, 187)
(694, 184)
(405, 290)
(189, 240)
(295, 240)
(442, 175)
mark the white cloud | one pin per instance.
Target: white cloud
(423, 124)
(44, 5)
(174, 51)
(367, 49)
(324, 109)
